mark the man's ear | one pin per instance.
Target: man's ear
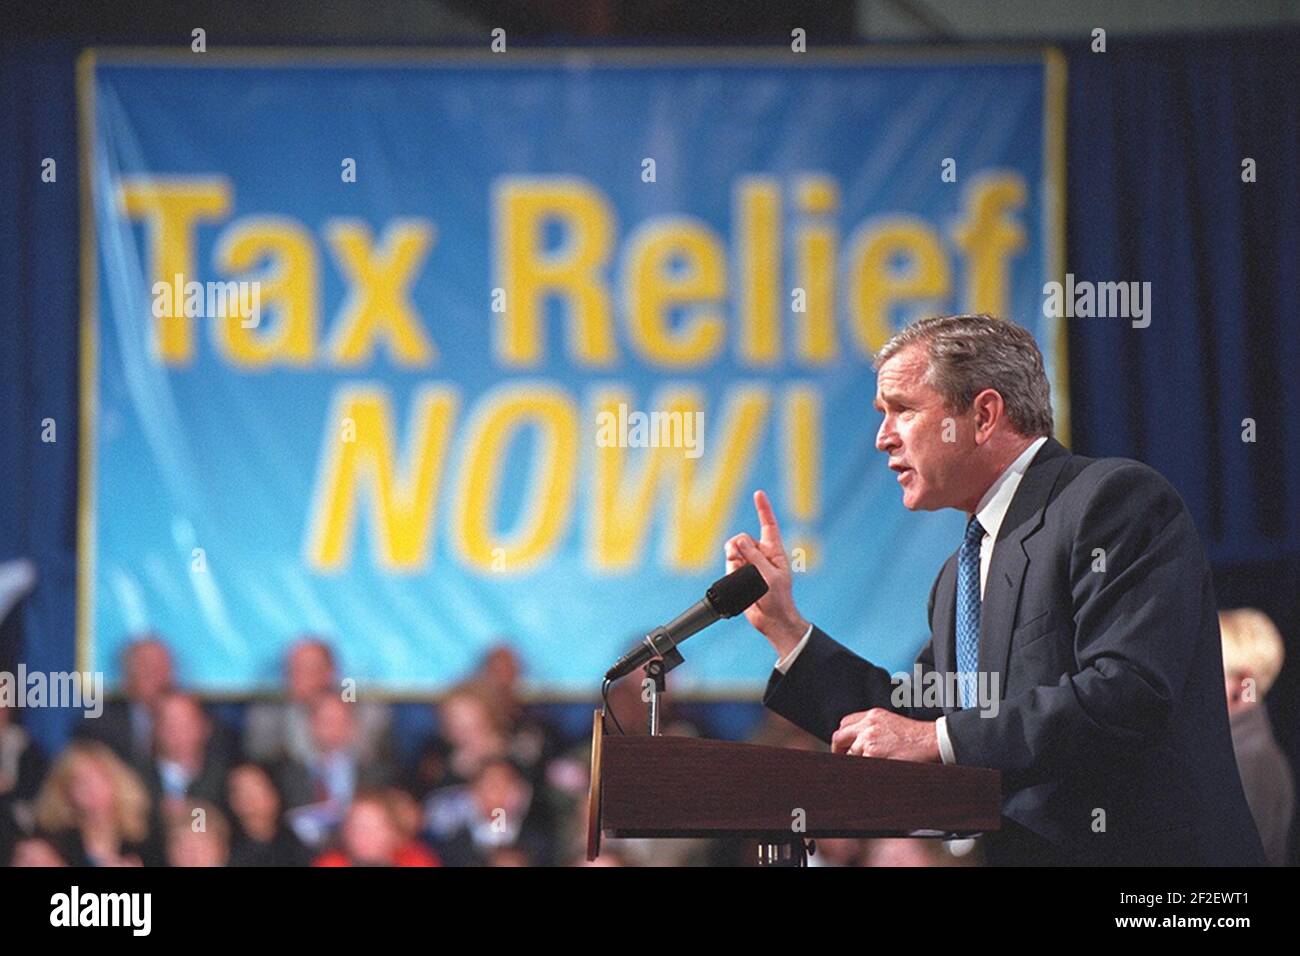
(989, 409)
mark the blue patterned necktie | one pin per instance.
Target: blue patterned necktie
(968, 611)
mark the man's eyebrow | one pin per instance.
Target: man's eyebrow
(891, 398)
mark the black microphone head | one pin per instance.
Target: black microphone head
(730, 596)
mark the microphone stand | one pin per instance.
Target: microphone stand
(656, 673)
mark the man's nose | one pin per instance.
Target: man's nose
(886, 437)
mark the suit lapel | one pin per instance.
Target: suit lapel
(1010, 561)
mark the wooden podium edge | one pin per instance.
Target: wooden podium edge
(593, 795)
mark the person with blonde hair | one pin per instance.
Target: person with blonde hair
(475, 728)
(94, 808)
(1252, 658)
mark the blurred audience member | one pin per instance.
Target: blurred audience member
(337, 766)
(408, 813)
(531, 740)
(567, 785)
(198, 835)
(373, 834)
(22, 765)
(95, 810)
(282, 731)
(261, 837)
(473, 731)
(1252, 657)
(467, 824)
(187, 765)
(432, 767)
(128, 725)
(36, 851)
(499, 671)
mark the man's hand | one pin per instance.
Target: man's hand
(774, 614)
(882, 733)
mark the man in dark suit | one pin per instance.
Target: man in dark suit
(1075, 628)
(189, 758)
(127, 725)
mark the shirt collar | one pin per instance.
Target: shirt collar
(993, 506)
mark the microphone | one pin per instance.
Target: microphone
(726, 597)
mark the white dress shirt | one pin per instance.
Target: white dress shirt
(992, 509)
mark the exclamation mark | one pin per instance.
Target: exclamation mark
(803, 464)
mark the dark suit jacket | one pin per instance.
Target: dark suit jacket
(1111, 681)
(297, 782)
(209, 785)
(114, 728)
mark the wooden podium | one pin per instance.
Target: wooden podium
(653, 786)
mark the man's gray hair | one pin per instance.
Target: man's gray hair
(969, 353)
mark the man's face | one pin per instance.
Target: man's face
(502, 668)
(192, 848)
(182, 728)
(251, 793)
(368, 833)
(332, 727)
(930, 470)
(310, 672)
(148, 671)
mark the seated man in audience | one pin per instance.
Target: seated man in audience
(148, 674)
(532, 740)
(281, 731)
(188, 763)
(499, 810)
(320, 788)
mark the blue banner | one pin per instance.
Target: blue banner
(423, 353)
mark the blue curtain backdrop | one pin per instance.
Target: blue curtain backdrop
(1157, 132)
(39, 359)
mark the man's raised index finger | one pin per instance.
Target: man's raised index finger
(766, 518)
